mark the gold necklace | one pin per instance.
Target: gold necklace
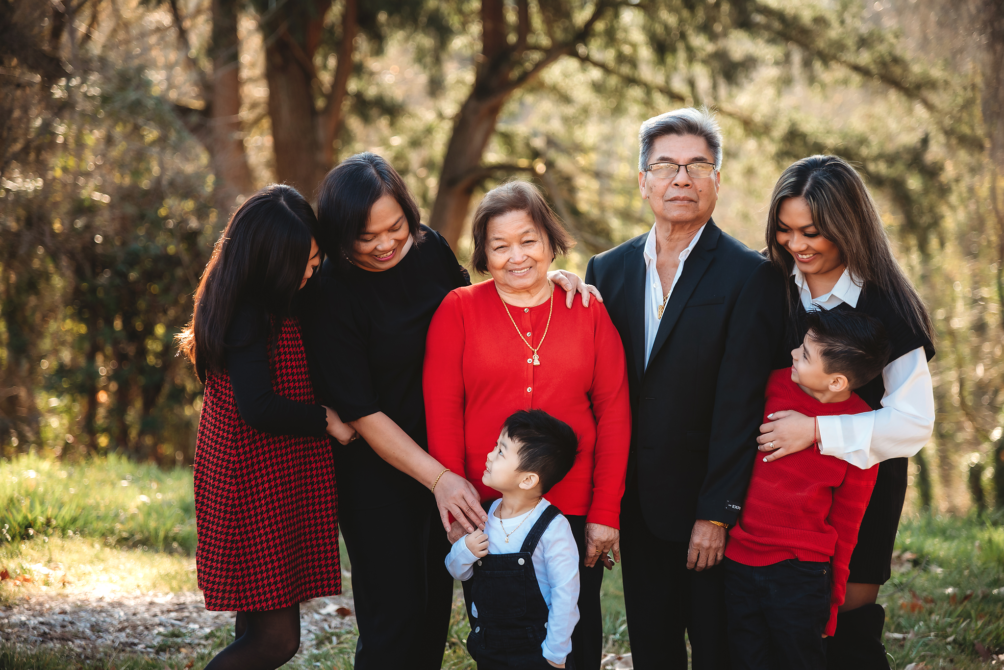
(517, 525)
(536, 359)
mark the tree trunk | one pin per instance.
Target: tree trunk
(292, 37)
(225, 139)
(472, 130)
(923, 481)
(473, 126)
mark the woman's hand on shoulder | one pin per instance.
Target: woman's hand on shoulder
(786, 433)
(457, 496)
(342, 432)
(572, 284)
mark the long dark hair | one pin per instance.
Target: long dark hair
(345, 197)
(845, 214)
(260, 257)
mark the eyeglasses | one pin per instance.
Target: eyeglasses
(695, 170)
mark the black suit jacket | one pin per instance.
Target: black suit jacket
(698, 406)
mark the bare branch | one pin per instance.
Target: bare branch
(483, 172)
(523, 30)
(552, 54)
(332, 117)
(179, 25)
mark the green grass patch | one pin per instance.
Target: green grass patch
(945, 601)
(125, 504)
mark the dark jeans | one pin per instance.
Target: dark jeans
(777, 614)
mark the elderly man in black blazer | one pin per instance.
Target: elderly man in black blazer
(701, 317)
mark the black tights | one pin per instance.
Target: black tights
(265, 640)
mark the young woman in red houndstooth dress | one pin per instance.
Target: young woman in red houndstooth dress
(265, 497)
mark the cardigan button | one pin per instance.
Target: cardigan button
(526, 309)
(528, 389)
(521, 561)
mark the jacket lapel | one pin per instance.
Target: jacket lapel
(693, 269)
(634, 286)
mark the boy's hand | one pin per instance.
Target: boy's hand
(553, 664)
(477, 542)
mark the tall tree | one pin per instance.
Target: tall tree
(306, 115)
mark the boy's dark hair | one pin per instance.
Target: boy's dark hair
(547, 445)
(851, 343)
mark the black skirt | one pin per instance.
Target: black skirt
(872, 557)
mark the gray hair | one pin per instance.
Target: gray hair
(685, 121)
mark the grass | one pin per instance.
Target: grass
(113, 500)
(944, 604)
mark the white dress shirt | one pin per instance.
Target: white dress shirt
(555, 561)
(904, 424)
(654, 297)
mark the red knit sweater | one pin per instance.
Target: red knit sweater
(478, 371)
(805, 506)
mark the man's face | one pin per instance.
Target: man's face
(680, 199)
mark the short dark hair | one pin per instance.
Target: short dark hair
(516, 196)
(347, 194)
(547, 445)
(850, 343)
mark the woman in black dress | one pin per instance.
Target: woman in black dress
(384, 278)
(824, 231)
(265, 498)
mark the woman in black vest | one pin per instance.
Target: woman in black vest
(824, 231)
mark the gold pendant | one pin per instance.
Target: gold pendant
(658, 311)
(536, 359)
(507, 539)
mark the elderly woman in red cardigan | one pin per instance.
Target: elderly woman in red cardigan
(499, 346)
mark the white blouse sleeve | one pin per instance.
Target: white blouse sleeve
(460, 560)
(561, 557)
(900, 429)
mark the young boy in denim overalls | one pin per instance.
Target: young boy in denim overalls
(523, 569)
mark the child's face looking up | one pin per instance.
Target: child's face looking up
(502, 471)
(808, 371)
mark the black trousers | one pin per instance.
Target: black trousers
(665, 600)
(402, 592)
(777, 614)
(587, 638)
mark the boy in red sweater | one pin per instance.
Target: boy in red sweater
(787, 557)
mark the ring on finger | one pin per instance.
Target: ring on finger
(770, 445)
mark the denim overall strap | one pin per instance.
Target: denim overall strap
(533, 537)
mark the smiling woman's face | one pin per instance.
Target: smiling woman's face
(797, 233)
(386, 238)
(518, 252)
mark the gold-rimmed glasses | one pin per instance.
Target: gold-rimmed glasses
(699, 170)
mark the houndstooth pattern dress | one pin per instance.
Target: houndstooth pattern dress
(266, 505)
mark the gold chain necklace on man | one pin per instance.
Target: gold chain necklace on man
(662, 308)
(517, 525)
(536, 359)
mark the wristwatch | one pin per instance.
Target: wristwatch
(722, 524)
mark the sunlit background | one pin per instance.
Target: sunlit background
(131, 128)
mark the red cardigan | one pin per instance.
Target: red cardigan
(804, 506)
(478, 372)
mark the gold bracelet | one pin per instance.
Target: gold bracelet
(445, 470)
(720, 524)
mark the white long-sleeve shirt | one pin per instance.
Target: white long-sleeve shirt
(905, 422)
(654, 297)
(555, 561)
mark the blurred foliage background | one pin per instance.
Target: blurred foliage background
(133, 127)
